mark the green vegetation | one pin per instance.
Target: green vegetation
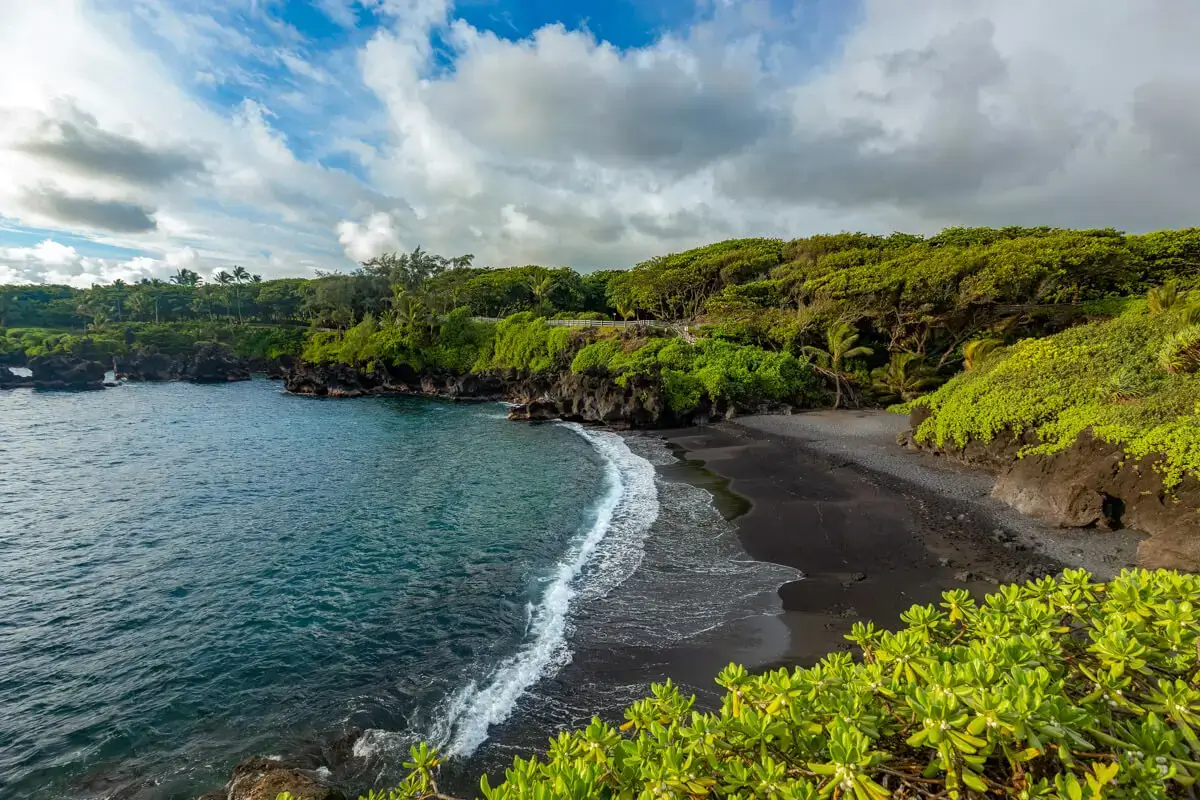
(18, 344)
(721, 372)
(1055, 330)
(1060, 689)
(1132, 380)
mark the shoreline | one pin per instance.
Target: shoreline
(873, 527)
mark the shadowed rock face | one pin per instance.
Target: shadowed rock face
(210, 363)
(215, 363)
(66, 372)
(564, 395)
(1091, 484)
(144, 365)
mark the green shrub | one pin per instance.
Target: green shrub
(1060, 689)
(1061, 385)
(598, 355)
(526, 342)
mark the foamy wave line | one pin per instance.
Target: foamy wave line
(625, 512)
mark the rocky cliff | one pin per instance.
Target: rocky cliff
(587, 397)
(209, 363)
(1090, 484)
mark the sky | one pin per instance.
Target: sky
(138, 137)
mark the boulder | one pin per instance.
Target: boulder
(11, 380)
(1092, 484)
(329, 380)
(214, 363)
(66, 372)
(147, 365)
(262, 778)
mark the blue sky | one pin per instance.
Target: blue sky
(138, 136)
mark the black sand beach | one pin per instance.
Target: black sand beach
(874, 527)
(868, 527)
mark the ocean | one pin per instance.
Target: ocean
(191, 575)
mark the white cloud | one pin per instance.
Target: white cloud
(53, 262)
(564, 149)
(376, 235)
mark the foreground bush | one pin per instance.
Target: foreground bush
(1063, 689)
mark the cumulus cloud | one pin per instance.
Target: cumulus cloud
(561, 148)
(376, 235)
(52, 262)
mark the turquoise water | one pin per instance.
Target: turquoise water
(193, 574)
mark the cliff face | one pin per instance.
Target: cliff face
(587, 397)
(210, 363)
(1091, 484)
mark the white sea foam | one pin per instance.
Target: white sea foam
(603, 556)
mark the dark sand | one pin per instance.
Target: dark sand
(875, 528)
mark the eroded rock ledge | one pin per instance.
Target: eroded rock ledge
(586, 397)
(1090, 484)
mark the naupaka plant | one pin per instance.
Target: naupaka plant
(1058, 689)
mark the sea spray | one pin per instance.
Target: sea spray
(609, 546)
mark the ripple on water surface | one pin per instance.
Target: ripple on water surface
(189, 574)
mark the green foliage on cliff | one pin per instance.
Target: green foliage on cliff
(719, 371)
(528, 343)
(1130, 380)
(1060, 689)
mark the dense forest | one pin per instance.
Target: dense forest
(840, 319)
(880, 318)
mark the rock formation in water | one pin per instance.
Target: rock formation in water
(1091, 484)
(263, 778)
(11, 380)
(210, 363)
(66, 372)
(215, 363)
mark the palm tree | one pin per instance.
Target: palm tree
(226, 280)
(240, 274)
(117, 290)
(186, 277)
(976, 352)
(905, 376)
(841, 343)
(1162, 299)
(256, 278)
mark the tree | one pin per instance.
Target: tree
(240, 275)
(1165, 298)
(117, 290)
(409, 271)
(226, 280)
(186, 277)
(904, 376)
(7, 304)
(841, 343)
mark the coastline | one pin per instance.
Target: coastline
(874, 528)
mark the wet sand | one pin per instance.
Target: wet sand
(874, 527)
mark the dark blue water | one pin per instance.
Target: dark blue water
(193, 574)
